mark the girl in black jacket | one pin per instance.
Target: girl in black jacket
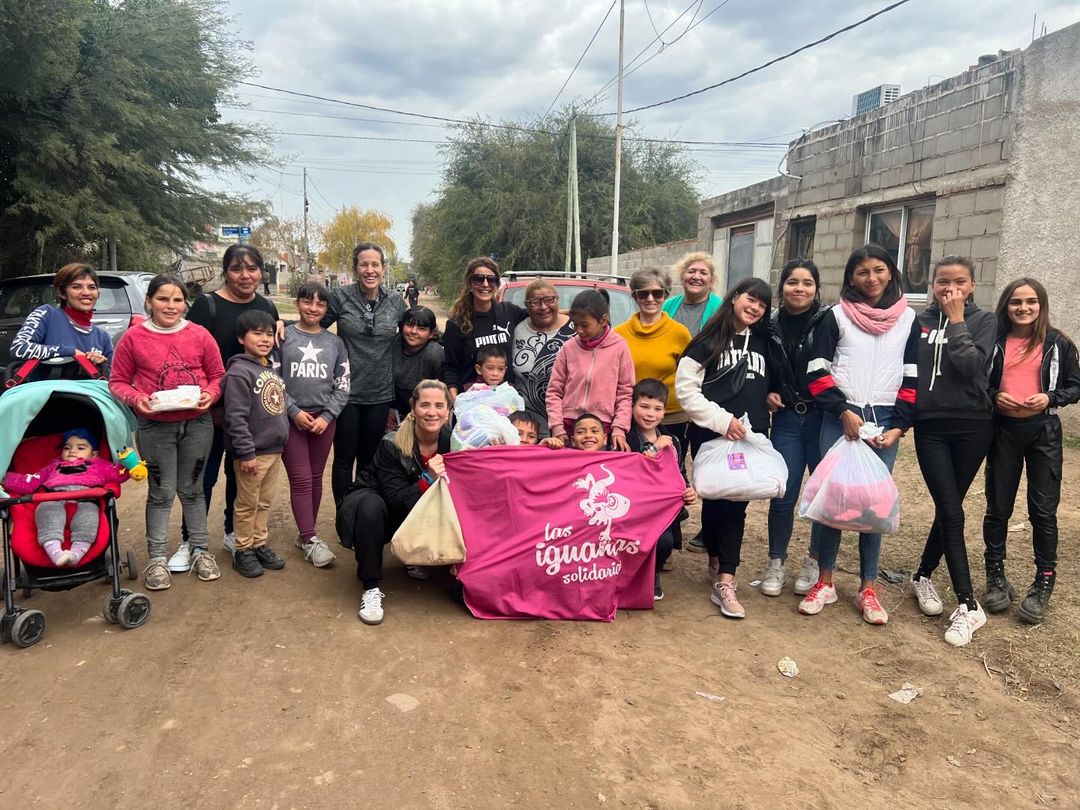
(406, 463)
(951, 340)
(1034, 372)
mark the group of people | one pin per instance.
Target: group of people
(683, 370)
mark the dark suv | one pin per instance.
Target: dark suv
(120, 306)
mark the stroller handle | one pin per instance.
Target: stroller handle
(27, 368)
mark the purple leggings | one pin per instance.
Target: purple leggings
(305, 459)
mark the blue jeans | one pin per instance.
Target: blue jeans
(797, 437)
(828, 538)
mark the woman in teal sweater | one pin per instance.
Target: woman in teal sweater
(696, 273)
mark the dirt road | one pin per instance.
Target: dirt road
(270, 693)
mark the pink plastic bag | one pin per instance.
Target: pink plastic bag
(852, 490)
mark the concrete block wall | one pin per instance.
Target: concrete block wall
(968, 223)
(657, 255)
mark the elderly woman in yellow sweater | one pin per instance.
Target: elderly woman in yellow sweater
(656, 340)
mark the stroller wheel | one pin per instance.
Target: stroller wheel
(111, 609)
(132, 565)
(134, 610)
(28, 628)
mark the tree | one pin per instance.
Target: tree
(350, 227)
(108, 123)
(275, 236)
(504, 193)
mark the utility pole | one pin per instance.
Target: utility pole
(573, 210)
(618, 148)
(304, 262)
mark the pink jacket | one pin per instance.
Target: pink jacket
(599, 381)
(93, 472)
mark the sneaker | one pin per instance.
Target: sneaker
(929, 601)
(1000, 594)
(963, 623)
(371, 611)
(714, 569)
(872, 612)
(418, 572)
(180, 561)
(808, 576)
(820, 595)
(772, 580)
(229, 543)
(724, 595)
(1033, 609)
(156, 575)
(246, 563)
(268, 558)
(696, 545)
(657, 589)
(205, 566)
(316, 551)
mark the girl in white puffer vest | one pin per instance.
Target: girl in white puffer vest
(857, 372)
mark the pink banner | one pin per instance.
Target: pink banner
(560, 534)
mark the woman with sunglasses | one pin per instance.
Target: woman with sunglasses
(367, 318)
(537, 341)
(217, 312)
(476, 320)
(656, 341)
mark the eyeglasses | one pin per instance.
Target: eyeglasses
(480, 280)
(644, 295)
(542, 301)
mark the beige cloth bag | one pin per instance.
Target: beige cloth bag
(431, 534)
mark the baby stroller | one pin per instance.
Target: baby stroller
(34, 417)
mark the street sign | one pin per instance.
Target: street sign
(236, 230)
(245, 230)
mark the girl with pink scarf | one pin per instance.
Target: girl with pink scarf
(859, 368)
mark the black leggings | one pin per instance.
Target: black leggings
(365, 523)
(1037, 442)
(950, 452)
(359, 430)
(722, 527)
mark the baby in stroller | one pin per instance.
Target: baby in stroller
(78, 467)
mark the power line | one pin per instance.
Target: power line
(319, 192)
(324, 115)
(578, 62)
(771, 62)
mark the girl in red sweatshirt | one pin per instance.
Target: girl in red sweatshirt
(162, 354)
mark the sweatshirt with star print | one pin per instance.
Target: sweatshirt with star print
(316, 372)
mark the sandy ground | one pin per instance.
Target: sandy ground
(269, 693)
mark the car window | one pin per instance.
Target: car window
(19, 298)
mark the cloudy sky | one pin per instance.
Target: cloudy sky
(506, 59)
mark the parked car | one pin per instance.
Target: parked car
(120, 306)
(617, 288)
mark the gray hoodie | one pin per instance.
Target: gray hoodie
(256, 420)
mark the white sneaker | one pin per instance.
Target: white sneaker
(371, 611)
(772, 580)
(808, 576)
(316, 551)
(180, 561)
(229, 543)
(418, 572)
(820, 595)
(929, 601)
(963, 623)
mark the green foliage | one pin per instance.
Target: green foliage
(504, 192)
(109, 122)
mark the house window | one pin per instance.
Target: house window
(905, 232)
(801, 238)
(740, 263)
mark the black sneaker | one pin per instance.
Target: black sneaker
(657, 589)
(1033, 609)
(268, 558)
(246, 563)
(697, 545)
(1000, 593)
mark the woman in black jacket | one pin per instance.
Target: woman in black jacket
(406, 462)
(1033, 373)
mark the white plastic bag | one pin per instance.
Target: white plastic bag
(748, 469)
(503, 399)
(852, 489)
(181, 398)
(481, 426)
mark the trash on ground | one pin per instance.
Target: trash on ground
(707, 696)
(1018, 527)
(787, 667)
(894, 577)
(906, 694)
(754, 583)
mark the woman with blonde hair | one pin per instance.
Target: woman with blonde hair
(697, 274)
(406, 463)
